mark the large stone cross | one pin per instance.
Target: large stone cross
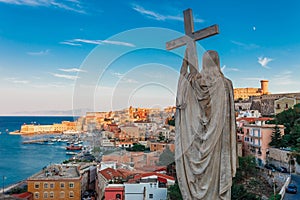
(190, 38)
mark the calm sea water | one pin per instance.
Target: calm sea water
(19, 161)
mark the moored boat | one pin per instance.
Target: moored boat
(72, 147)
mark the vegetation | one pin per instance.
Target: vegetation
(18, 190)
(161, 137)
(291, 120)
(174, 192)
(248, 184)
(137, 147)
(171, 121)
(277, 140)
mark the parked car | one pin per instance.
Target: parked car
(283, 170)
(291, 188)
(270, 167)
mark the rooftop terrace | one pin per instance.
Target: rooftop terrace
(56, 172)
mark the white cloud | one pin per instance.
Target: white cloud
(70, 43)
(160, 17)
(71, 5)
(123, 78)
(78, 42)
(128, 80)
(244, 45)
(118, 43)
(229, 69)
(72, 70)
(263, 61)
(17, 81)
(69, 77)
(39, 53)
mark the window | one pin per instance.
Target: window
(36, 185)
(71, 194)
(52, 195)
(62, 185)
(286, 106)
(52, 185)
(62, 195)
(118, 196)
(150, 196)
(36, 195)
(71, 184)
(45, 185)
(278, 106)
(45, 195)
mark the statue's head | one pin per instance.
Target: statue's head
(211, 65)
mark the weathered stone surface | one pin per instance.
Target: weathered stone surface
(205, 152)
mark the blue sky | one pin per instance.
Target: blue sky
(53, 52)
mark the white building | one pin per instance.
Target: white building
(144, 191)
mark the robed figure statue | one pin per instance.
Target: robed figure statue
(205, 149)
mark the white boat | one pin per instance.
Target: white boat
(71, 153)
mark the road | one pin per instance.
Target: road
(296, 181)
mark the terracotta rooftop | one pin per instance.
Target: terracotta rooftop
(148, 174)
(110, 174)
(254, 119)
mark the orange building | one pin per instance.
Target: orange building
(55, 128)
(157, 146)
(245, 93)
(56, 182)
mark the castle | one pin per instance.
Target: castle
(262, 100)
(246, 93)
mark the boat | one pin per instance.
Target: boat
(71, 153)
(73, 148)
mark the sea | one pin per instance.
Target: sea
(19, 161)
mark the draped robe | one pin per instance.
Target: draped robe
(205, 142)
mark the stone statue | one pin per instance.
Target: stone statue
(205, 142)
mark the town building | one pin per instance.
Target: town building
(266, 105)
(160, 146)
(63, 127)
(282, 158)
(56, 182)
(245, 93)
(256, 136)
(148, 186)
(284, 103)
(104, 178)
(114, 192)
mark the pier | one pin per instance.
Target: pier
(35, 141)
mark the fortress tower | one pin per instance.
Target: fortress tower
(264, 85)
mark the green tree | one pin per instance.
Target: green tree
(238, 192)
(276, 138)
(137, 147)
(174, 192)
(247, 165)
(161, 137)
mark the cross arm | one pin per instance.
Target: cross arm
(206, 32)
(176, 43)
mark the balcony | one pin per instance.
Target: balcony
(255, 136)
(254, 145)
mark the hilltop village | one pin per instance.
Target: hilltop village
(133, 150)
